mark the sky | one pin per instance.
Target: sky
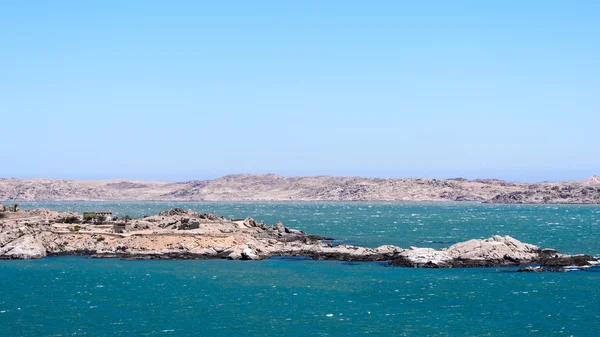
(181, 90)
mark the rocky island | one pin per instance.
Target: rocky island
(184, 234)
(274, 187)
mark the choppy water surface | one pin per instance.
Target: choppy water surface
(75, 296)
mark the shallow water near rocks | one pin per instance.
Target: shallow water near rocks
(77, 296)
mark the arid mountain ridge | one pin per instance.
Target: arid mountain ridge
(274, 187)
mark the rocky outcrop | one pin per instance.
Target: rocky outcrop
(190, 213)
(275, 187)
(249, 222)
(491, 252)
(249, 254)
(23, 248)
(550, 195)
(494, 248)
(592, 181)
(176, 211)
(184, 234)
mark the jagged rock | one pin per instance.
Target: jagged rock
(280, 227)
(2, 208)
(189, 225)
(176, 211)
(552, 258)
(210, 216)
(249, 222)
(233, 253)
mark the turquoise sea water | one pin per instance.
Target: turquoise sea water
(77, 296)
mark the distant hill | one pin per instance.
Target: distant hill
(275, 187)
(592, 181)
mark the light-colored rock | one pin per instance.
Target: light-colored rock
(388, 249)
(25, 247)
(422, 256)
(494, 248)
(234, 253)
(249, 254)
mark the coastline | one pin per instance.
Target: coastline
(270, 187)
(183, 234)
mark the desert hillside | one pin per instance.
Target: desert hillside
(275, 187)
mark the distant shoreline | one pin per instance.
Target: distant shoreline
(270, 187)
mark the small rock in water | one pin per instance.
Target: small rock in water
(531, 269)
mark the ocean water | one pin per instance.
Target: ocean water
(78, 296)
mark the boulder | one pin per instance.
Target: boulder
(494, 249)
(232, 253)
(249, 254)
(25, 247)
(187, 225)
(280, 227)
(210, 216)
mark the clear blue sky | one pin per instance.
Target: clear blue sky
(178, 90)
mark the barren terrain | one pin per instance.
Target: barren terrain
(184, 234)
(275, 187)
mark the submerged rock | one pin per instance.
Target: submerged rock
(542, 269)
(552, 258)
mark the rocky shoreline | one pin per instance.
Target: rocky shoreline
(185, 234)
(266, 187)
